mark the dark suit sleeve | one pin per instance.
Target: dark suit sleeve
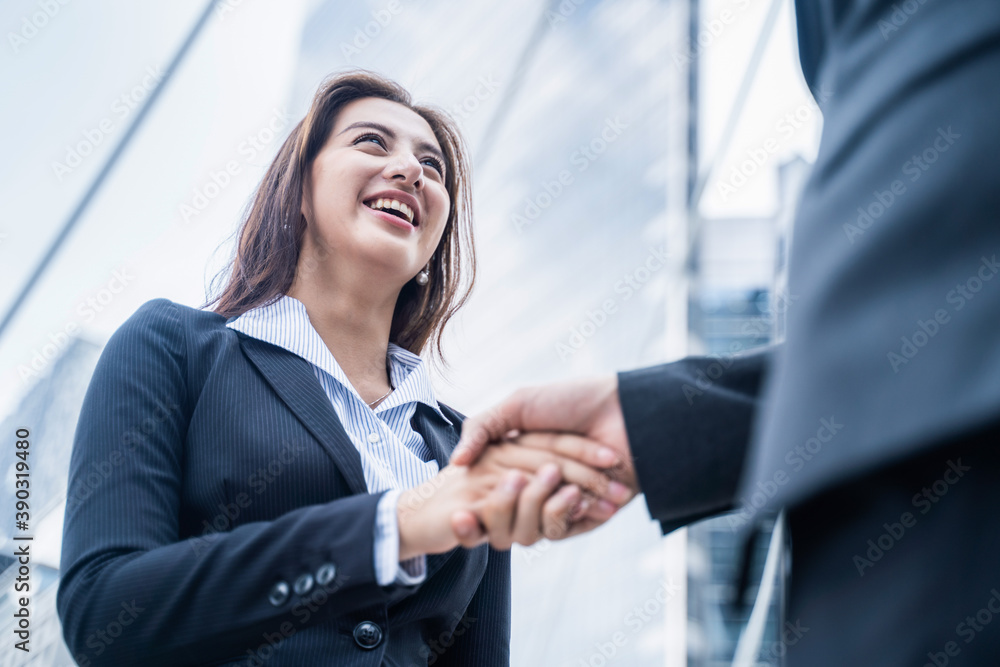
(182, 601)
(482, 637)
(688, 425)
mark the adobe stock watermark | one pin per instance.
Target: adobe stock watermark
(549, 533)
(914, 169)
(303, 610)
(363, 35)
(224, 7)
(967, 630)
(784, 129)
(486, 86)
(584, 156)
(99, 472)
(708, 35)
(796, 459)
(899, 17)
(93, 137)
(32, 23)
(791, 633)
(563, 11)
(100, 641)
(927, 329)
(627, 287)
(88, 309)
(220, 179)
(923, 501)
(635, 620)
(426, 490)
(563, 524)
(258, 481)
(434, 649)
(755, 329)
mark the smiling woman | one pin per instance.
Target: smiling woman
(348, 133)
(279, 487)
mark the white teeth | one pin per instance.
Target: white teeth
(407, 211)
(393, 204)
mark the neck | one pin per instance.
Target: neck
(353, 317)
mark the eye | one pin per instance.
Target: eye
(372, 137)
(435, 163)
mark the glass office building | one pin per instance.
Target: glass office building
(617, 225)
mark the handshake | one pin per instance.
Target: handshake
(549, 462)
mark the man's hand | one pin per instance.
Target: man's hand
(589, 408)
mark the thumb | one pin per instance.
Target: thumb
(487, 426)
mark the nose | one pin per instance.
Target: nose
(404, 167)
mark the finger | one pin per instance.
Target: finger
(589, 480)
(528, 520)
(582, 507)
(595, 483)
(499, 507)
(599, 510)
(467, 529)
(572, 446)
(494, 424)
(557, 513)
(585, 522)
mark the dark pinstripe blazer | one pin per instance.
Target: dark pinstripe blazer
(209, 466)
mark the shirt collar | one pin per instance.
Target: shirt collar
(284, 322)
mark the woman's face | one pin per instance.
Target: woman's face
(376, 196)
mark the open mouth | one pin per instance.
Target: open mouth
(392, 207)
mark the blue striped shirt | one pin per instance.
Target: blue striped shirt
(393, 455)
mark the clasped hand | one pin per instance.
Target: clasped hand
(547, 462)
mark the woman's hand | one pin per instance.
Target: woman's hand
(531, 474)
(505, 517)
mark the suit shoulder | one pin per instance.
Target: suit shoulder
(186, 341)
(157, 318)
(166, 326)
(164, 313)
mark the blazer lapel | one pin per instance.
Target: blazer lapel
(293, 380)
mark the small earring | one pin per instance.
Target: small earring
(423, 277)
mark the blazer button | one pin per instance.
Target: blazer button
(303, 584)
(367, 635)
(326, 573)
(279, 594)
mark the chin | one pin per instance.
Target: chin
(387, 262)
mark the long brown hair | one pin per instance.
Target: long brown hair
(270, 238)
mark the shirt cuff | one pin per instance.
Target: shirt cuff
(388, 568)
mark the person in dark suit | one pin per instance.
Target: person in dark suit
(876, 422)
(268, 483)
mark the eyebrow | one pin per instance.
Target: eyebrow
(421, 144)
